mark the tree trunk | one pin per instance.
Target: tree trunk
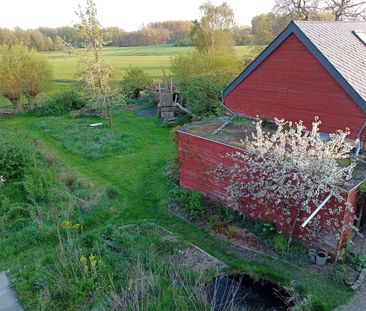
(32, 102)
(16, 103)
(109, 115)
(292, 230)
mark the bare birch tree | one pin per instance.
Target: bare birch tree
(95, 72)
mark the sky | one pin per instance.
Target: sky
(126, 14)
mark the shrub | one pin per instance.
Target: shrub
(357, 261)
(268, 229)
(171, 172)
(230, 232)
(223, 66)
(135, 80)
(14, 216)
(213, 222)
(61, 103)
(192, 203)
(202, 94)
(16, 156)
(226, 214)
(112, 192)
(280, 243)
(40, 186)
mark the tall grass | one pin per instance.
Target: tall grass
(91, 143)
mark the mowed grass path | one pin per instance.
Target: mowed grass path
(138, 175)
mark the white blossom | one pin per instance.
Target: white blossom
(289, 172)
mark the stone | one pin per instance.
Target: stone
(8, 299)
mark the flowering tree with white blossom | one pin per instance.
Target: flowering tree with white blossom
(287, 173)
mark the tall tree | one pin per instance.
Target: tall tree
(266, 27)
(37, 73)
(213, 33)
(11, 73)
(347, 9)
(297, 9)
(94, 72)
(22, 72)
(321, 9)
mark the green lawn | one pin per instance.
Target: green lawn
(151, 58)
(137, 173)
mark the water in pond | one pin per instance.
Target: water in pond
(241, 292)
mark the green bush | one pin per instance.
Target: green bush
(227, 215)
(213, 222)
(13, 216)
(280, 243)
(112, 192)
(134, 81)
(16, 156)
(41, 185)
(357, 261)
(61, 103)
(223, 66)
(202, 94)
(268, 229)
(192, 203)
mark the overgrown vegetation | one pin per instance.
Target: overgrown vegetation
(213, 215)
(202, 94)
(91, 143)
(202, 75)
(16, 156)
(61, 103)
(135, 80)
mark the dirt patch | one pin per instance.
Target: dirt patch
(198, 260)
(150, 112)
(7, 112)
(130, 107)
(240, 237)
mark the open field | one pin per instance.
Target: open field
(136, 172)
(153, 59)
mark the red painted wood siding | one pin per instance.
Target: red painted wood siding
(198, 159)
(292, 84)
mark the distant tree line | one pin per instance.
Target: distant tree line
(263, 29)
(55, 39)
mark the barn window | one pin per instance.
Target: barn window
(360, 35)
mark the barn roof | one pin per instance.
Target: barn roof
(336, 47)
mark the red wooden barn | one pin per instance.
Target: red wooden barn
(310, 69)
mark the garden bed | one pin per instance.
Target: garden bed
(249, 238)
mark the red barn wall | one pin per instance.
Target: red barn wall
(292, 84)
(198, 159)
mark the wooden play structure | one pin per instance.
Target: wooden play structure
(168, 101)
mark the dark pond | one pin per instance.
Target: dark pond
(241, 292)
